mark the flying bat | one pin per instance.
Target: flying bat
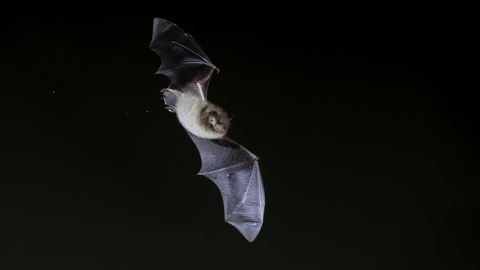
(229, 165)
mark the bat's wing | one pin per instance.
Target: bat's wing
(235, 171)
(183, 61)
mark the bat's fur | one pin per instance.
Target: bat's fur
(199, 116)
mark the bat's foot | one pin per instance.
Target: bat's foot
(170, 97)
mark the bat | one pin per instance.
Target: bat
(233, 168)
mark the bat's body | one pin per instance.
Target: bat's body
(229, 165)
(191, 110)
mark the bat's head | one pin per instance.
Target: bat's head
(215, 119)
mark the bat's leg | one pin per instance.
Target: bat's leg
(173, 91)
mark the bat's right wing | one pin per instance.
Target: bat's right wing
(235, 171)
(183, 61)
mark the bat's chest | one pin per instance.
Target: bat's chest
(188, 109)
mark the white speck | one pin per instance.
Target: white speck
(147, 111)
(53, 92)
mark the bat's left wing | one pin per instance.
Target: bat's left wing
(235, 171)
(183, 60)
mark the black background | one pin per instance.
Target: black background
(366, 124)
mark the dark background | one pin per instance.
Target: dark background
(366, 124)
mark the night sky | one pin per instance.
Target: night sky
(367, 126)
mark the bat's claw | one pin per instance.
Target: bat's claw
(171, 109)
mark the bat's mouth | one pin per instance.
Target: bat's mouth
(212, 120)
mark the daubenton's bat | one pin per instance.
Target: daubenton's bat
(229, 165)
